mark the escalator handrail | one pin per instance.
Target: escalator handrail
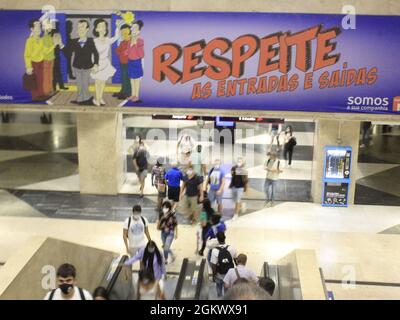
(323, 283)
(265, 269)
(181, 279)
(116, 274)
(200, 279)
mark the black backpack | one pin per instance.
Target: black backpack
(79, 289)
(293, 141)
(225, 261)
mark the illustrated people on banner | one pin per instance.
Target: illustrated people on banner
(48, 58)
(85, 61)
(105, 69)
(135, 52)
(57, 73)
(34, 56)
(122, 53)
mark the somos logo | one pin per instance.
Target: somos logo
(396, 104)
(368, 103)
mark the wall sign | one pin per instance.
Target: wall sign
(268, 61)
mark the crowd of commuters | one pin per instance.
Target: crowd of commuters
(200, 192)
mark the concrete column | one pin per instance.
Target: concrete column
(326, 134)
(100, 153)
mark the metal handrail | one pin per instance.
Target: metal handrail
(115, 276)
(181, 279)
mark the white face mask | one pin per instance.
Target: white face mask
(165, 210)
(189, 172)
(136, 217)
(217, 166)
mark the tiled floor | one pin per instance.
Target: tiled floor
(36, 158)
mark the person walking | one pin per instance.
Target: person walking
(222, 258)
(198, 162)
(290, 143)
(141, 164)
(272, 166)
(150, 259)
(238, 185)
(206, 216)
(192, 194)
(158, 181)
(168, 225)
(216, 180)
(134, 231)
(174, 176)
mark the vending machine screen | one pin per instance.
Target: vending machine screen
(337, 164)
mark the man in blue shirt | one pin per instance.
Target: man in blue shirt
(216, 179)
(174, 176)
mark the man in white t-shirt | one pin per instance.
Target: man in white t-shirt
(272, 166)
(134, 231)
(222, 259)
(67, 288)
(240, 272)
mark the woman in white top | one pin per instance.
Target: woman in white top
(105, 69)
(184, 149)
(148, 287)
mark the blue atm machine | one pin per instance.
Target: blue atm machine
(336, 180)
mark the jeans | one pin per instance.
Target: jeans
(167, 238)
(269, 189)
(220, 287)
(288, 153)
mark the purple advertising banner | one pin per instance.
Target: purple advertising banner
(208, 60)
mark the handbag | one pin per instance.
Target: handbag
(161, 187)
(29, 81)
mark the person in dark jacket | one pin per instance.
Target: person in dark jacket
(86, 60)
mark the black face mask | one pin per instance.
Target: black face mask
(65, 288)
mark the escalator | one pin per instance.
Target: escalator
(190, 284)
(118, 281)
(193, 281)
(272, 272)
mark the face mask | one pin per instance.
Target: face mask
(189, 172)
(240, 163)
(135, 217)
(165, 210)
(151, 250)
(65, 288)
(216, 166)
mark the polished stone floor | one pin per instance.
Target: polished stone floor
(40, 154)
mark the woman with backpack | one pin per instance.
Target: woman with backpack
(290, 142)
